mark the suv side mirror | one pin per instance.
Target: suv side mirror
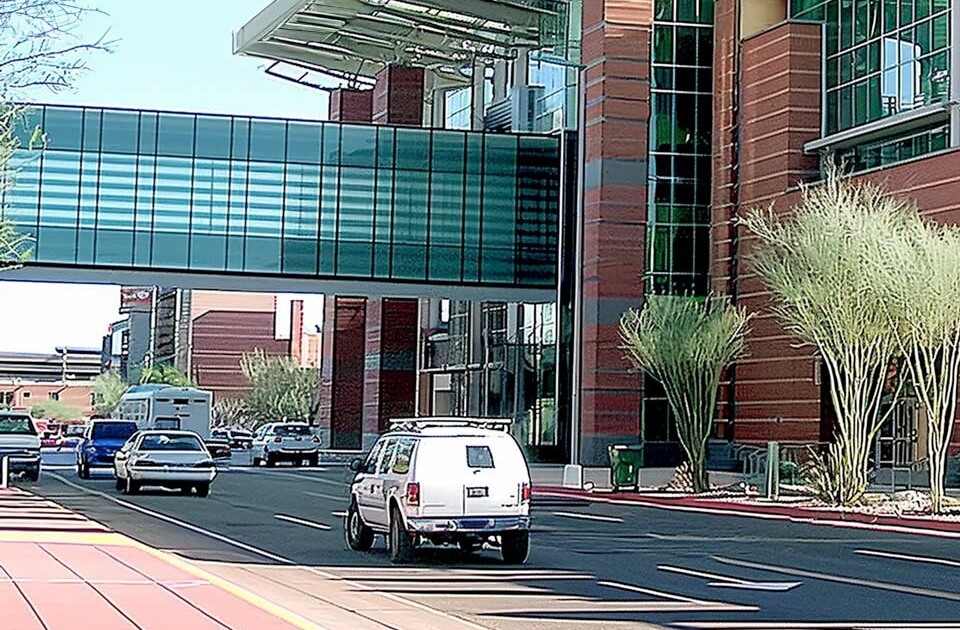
(356, 464)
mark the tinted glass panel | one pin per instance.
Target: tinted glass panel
(181, 192)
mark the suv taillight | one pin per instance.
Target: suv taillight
(525, 493)
(413, 494)
(278, 439)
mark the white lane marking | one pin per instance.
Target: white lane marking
(908, 558)
(589, 517)
(339, 514)
(650, 591)
(270, 556)
(726, 581)
(300, 521)
(321, 495)
(897, 529)
(883, 586)
(699, 574)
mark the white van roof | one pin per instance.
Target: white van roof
(450, 426)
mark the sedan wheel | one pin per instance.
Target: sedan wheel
(133, 487)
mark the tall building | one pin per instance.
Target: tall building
(673, 117)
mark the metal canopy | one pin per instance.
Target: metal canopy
(354, 39)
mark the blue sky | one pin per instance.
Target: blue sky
(173, 55)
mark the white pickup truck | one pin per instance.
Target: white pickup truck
(443, 480)
(20, 444)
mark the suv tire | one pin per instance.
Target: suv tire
(515, 547)
(33, 475)
(358, 534)
(271, 462)
(83, 470)
(203, 490)
(120, 485)
(132, 487)
(401, 543)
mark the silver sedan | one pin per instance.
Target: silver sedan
(169, 459)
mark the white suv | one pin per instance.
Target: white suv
(447, 481)
(285, 441)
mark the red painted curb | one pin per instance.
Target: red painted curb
(754, 509)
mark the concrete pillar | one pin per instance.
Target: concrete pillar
(477, 95)
(349, 105)
(616, 54)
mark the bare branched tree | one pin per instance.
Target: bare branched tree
(41, 48)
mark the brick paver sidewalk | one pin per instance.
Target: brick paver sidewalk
(61, 571)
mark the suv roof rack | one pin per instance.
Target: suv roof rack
(418, 424)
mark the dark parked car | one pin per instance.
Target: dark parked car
(101, 441)
(237, 438)
(219, 449)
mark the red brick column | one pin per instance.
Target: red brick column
(398, 97)
(342, 371)
(348, 105)
(390, 371)
(616, 52)
(776, 393)
(725, 264)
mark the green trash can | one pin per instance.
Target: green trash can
(625, 464)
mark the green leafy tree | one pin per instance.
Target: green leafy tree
(107, 390)
(39, 50)
(820, 265)
(279, 388)
(55, 410)
(685, 344)
(165, 375)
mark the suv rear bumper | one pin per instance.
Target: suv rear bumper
(468, 525)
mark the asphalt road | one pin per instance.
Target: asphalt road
(592, 565)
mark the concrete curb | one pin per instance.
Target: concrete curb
(814, 516)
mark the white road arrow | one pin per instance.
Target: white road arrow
(724, 581)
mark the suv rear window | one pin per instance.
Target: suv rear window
(113, 430)
(479, 457)
(17, 425)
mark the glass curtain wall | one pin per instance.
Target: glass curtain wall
(883, 57)
(680, 147)
(679, 185)
(190, 192)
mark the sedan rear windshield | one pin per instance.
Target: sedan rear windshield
(113, 430)
(291, 430)
(171, 443)
(17, 425)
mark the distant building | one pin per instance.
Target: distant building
(66, 375)
(206, 333)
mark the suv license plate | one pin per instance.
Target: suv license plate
(476, 493)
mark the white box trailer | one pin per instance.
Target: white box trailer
(166, 407)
